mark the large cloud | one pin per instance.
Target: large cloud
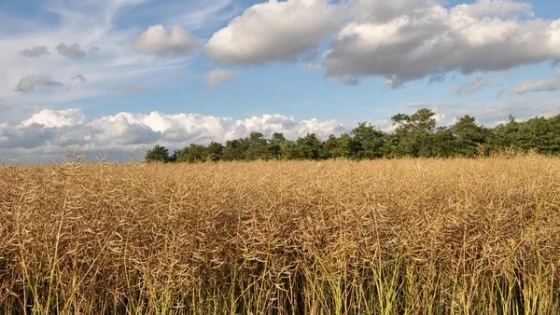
(274, 31)
(409, 39)
(29, 83)
(157, 41)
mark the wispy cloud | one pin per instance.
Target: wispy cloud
(29, 83)
(130, 89)
(471, 87)
(218, 77)
(34, 52)
(73, 51)
(538, 86)
(4, 107)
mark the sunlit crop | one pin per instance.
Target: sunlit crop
(411, 236)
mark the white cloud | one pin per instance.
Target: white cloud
(47, 133)
(274, 31)
(111, 59)
(29, 83)
(54, 130)
(157, 41)
(538, 86)
(495, 8)
(218, 77)
(409, 39)
(34, 52)
(55, 119)
(73, 51)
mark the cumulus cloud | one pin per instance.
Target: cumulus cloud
(159, 42)
(55, 119)
(34, 52)
(46, 134)
(29, 83)
(128, 131)
(73, 51)
(218, 77)
(495, 8)
(274, 31)
(406, 40)
(538, 86)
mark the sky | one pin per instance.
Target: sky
(118, 76)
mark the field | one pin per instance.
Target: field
(410, 236)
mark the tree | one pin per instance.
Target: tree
(504, 135)
(444, 144)
(234, 150)
(413, 134)
(157, 154)
(275, 145)
(469, 136)
(257, 147)
(214, 151)
(288, 150)
(366, 142)
(309, 147)
(338, 147)
(193, 153)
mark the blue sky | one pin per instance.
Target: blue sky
(123, 75)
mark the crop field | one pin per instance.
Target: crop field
(408, 236)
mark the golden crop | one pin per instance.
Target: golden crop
(412, 236)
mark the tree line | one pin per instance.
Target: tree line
(415, 135)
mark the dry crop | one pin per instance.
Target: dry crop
(458, 236)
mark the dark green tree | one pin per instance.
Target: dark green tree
(469, 136)
(504, 136)
(193, 153)
(234, 150)
(214, 151)
(275, 145)
(257, 147)
(309, 148)
(413, 134)
(366, 142)
(157, 154)
(288, 150)
(338, 147)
